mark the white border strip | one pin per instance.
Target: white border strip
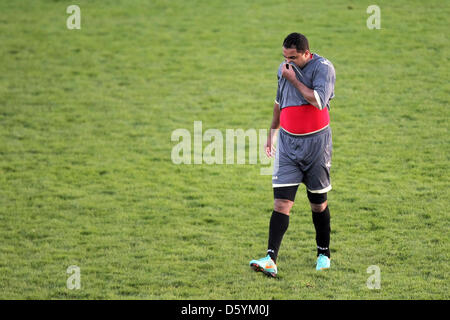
(304, 134)
(316, 95)
(285, 185)
(322, 190)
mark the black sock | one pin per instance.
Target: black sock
(279, 223)
(321, 222)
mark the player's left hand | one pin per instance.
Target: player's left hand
(289, 74)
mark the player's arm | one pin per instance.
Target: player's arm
(306, 92)
(268, 147)
(276, 117)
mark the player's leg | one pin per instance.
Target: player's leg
(318, 183)
(279, 221)
(285, 181)
(321, 220)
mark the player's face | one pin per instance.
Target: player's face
(299, 58)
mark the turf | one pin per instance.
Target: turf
(87, 179)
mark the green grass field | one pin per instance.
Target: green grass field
(86, 176)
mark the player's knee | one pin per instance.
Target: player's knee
(284, 198)
(283, 205)
(317, 201)
(319, 207)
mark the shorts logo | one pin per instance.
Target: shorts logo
(274, 178)
(328, 164)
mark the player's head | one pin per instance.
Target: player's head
(296, 49)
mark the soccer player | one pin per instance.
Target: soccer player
(303, 154)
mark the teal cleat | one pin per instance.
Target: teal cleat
(266, 265)
(323, 262)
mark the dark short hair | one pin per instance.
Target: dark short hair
(297, 41)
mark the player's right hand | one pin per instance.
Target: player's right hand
(269, 148)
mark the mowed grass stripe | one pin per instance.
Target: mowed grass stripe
(87, 179)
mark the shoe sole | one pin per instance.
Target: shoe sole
(258, 268)
(323, 269)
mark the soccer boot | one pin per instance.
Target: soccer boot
(323, 262)
(266, 265)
